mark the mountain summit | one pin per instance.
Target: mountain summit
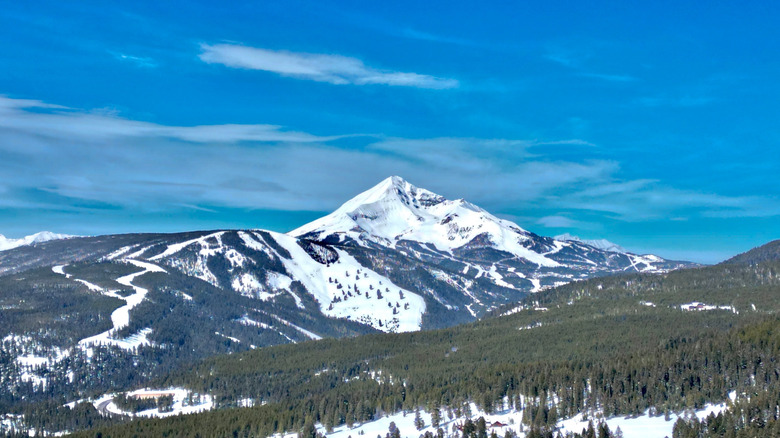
(395, 210)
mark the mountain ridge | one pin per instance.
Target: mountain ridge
(765, 252)
(39, 237)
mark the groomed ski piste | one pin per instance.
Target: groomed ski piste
(120, 317)
(510, 420)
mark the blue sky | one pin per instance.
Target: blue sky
(656, 127)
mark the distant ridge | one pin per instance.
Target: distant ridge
(763, 253)
(43, 236)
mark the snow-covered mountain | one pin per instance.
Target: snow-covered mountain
(395, 258)
(394, 210)
(604, 244)
(43, 236)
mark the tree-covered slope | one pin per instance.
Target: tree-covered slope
(763, 253)
(613, 345)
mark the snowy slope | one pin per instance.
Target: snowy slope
(395, 210)
(43, 236)
(346, 289)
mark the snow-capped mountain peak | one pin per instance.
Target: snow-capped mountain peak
(603, 244)
(395, 210)
(43, 236)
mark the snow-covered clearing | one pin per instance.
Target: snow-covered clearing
(60, 269)
(643, 426)
(510, 419)
(693, 306)
(180, 403)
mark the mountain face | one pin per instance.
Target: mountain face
(395, 258)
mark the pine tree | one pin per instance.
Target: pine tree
(418, 421)
(435, 417)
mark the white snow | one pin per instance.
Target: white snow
(235, 258)
(60, 269)
(513, 310)
(643, 426)
(696, 305)
(247, 284)
(245, 320)
(395, 210)
(43, 236)
(32, 360)
(391, 313)
(279, 281)
(120, 251)
(497, 278)
(176, 247)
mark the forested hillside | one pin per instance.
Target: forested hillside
(608, 346)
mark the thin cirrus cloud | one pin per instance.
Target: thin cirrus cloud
(333, 69)
(62, 122)
(83, 159)
(139, 61)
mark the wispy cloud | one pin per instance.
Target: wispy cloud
(138, 61)
(67, 123)
(557, 221)
(577, 60)
(644, 199)
(81, 159)
(334, 69)
(427, 36)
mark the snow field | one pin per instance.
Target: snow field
(341, 291)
